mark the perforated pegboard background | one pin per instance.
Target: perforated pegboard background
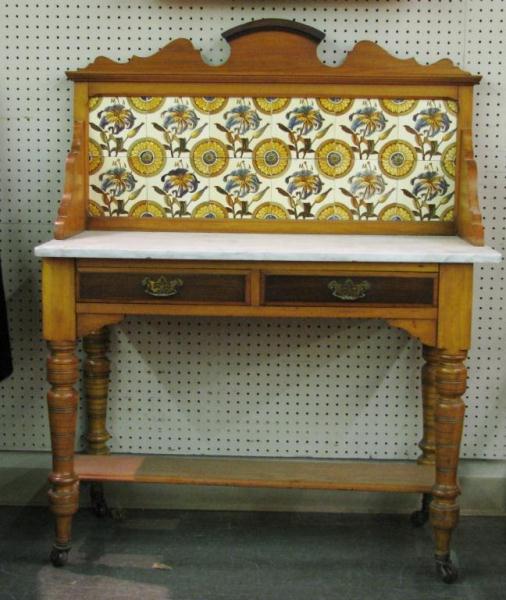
(251, 387)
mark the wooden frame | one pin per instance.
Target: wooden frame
(442, 323)
(178, 68)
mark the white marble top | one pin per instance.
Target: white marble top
(267, 247)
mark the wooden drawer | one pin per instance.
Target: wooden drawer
(170, 286)
(349, 288)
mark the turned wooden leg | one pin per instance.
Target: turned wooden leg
(421, 516)
(444, 511)
(429, 396)
(62, 401)
(96, 383)
(428, 441)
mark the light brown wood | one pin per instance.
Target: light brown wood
(444, 510)
(91, 264)
(88, 323)
(278, 90)
(365, 269)
(263, 226)
(424, 330)
(62, 407)
(467, 209)
(390, 476)
(469, 222)
(96, 384)
(430, 400)
(71, 218)
(58, 299)
(455, 307)
(454, 333)
(179, 61)
(203, 310)
(443, 326)
(255, 281)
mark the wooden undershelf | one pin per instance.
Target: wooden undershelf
(372, 476)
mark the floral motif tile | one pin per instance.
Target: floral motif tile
(272, 158)
(302, 190)
(114, 125)
(179, 126)
(430, 126)
(240, 189)
(429, 194)
(178, 188)
(366, 126)
(302, 126)
(115, 188)
(366, 190)
(239, 126)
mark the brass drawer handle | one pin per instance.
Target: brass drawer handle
(162, 287)
(347, 289)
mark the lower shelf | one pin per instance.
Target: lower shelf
(371, 476)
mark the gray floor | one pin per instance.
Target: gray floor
(196, 555)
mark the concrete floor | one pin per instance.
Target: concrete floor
(196, 555)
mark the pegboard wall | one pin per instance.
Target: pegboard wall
(229, 386)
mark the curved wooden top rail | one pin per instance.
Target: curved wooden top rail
(274, 25)
(288, 55)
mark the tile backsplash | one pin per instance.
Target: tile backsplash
(272, 158)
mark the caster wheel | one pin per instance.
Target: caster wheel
(447, 571)
(98, 503)
(419, 518)
(59, 557)
(100, 510)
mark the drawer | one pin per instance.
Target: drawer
(348, 288)
(163, 287)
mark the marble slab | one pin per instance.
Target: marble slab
(268, 247)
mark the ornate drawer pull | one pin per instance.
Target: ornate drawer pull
(162, 287)
(347, 289)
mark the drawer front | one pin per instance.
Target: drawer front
(163, 287)
(349, 289)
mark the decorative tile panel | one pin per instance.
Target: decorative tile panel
(273, 158)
